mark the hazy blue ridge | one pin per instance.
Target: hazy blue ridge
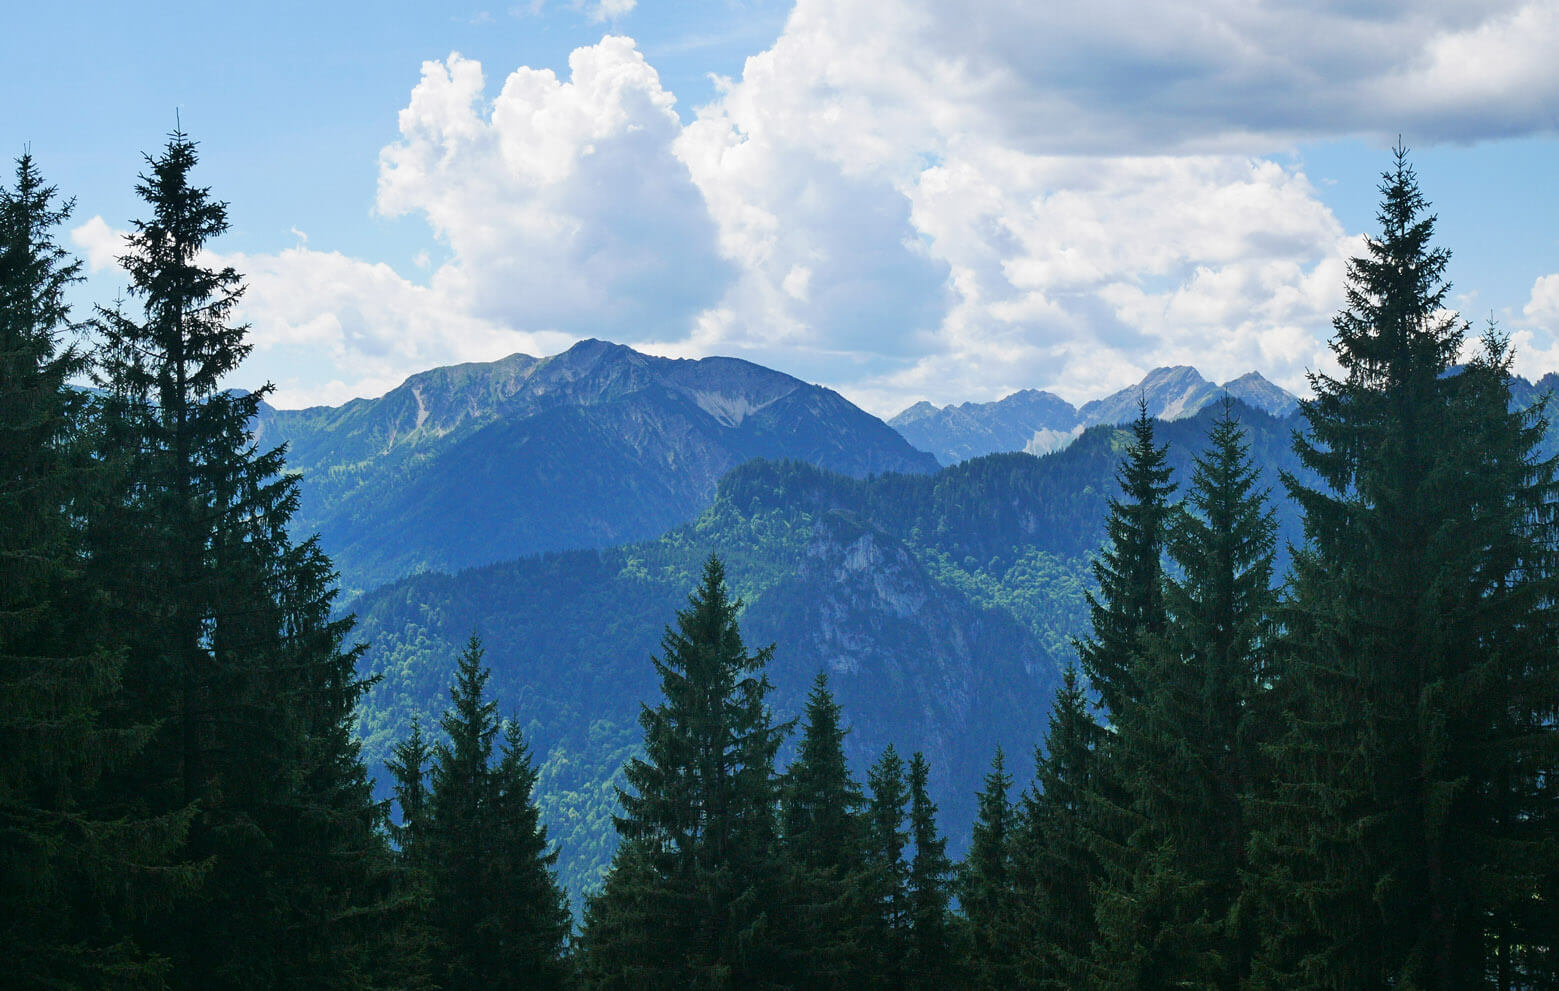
(1038, 422)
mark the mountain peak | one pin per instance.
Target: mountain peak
(1170, 393)
(1255, 391)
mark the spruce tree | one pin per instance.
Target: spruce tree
(824, 851)
(460, 830)
(986, 890)
(933, 959)
(1410, 839)
(412, 918)
(886, 883)
(1188, 758)
(498, 916)
(226, 625)
(1129, 604)
(76, 867)
(699, 864)
(530, 907)
(1129, 619)
(1055, 867)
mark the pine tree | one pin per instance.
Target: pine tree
(1188, 758)
(700, 858)
(824, 850)
(1055, 867)
(1410, 841)
(986, 883)
(225, 620)
(933, 956)
(75, 869)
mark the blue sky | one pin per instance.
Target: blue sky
(917, 200)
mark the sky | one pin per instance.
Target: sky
(899, 199)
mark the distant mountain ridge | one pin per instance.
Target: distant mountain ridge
(1039, 422)
(470, 464)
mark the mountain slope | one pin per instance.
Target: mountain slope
(471, 464)
(1027, 420)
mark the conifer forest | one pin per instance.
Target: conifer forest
(1324, 756)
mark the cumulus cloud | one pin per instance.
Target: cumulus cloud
(1536, 340)
(904, 225)
(560, 200)
(915, 200)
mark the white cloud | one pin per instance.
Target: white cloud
(101, 244)
(607, 10)
(911, 200)
(560, 200)
(1537, 344)
(311, 309)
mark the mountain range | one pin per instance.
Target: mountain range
(1039, 422)
(476, 463)
(562, 507)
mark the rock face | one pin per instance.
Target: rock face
(476, 463)
(1038, 422)
(913, 662)
(1170, 394)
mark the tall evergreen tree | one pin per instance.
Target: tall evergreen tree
(1129, 605)
(1410, 841)
(1055, 866)
(933, 960)
(225, 620)
(699, 860)
(1188, 759)
(412, 919)
(499, 918)
(73, 866)
(1129, 619)
(531, 908)
(986, 885)
(887, 878)
(824, 849)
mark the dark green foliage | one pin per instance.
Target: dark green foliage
(1055, 867)
(412, 921)
(699, 864)
(1187, 756)
(497, 917)
(1410, 841)
(1129, 604)
(823, 830)
(933, 960)
(230, 649)
(987, 886)
(1129, 619)
(887, 880)
(76, 867)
